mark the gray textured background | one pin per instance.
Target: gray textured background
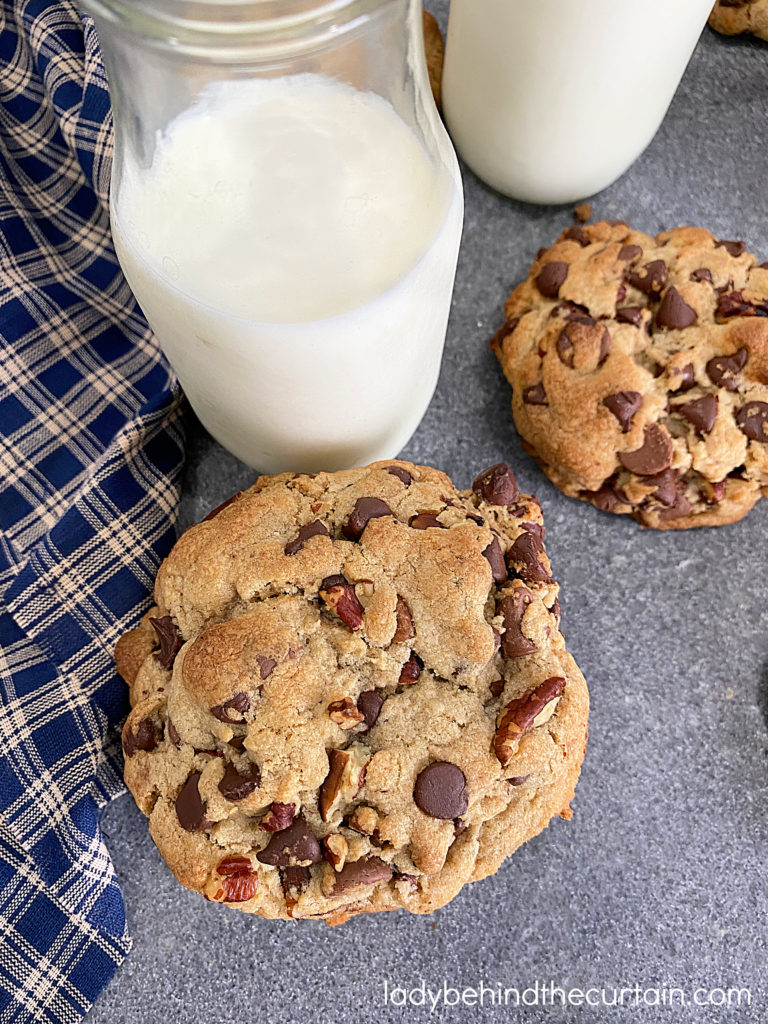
(660, 879)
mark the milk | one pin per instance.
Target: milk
(293, 247)
(550, 101)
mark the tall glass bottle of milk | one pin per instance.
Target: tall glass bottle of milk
(287, 208)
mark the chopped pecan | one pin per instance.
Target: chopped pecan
(344, 713)
(336, 849)
(525, 713)
(341, 598)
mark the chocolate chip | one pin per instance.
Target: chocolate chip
(653, 456)
(650, 279)
(146, 737)
(674, 312)
(369, 704)
(220, 508)
(315, 529)
(359, 874)
(524, 559)
(538, 529)
(535, 395)
(365, 509)
(495, 557)
(237, 785)
(606, 498)
(630, 252)
(752, 421)
(496, 485)
(551, 277)
(402, 474)
(518, 780)
(237, 743)
(411, 670)
(339, 595)
(173, 734)
(665, 486)
(512, 607)
(573, 313)
(702, 274)
(496, 687)
(701, 412)
(232, 710)
(723, 370)
(294, 879)
(734, 248)
(679, 507)
(169, 638)
(624, 405)
(425, 521)
(190, 806)
(404, 629)
(682, 378)
(279, 817)
(441, 790)
(731, 304)
(577, 234)
(630, 315)
(295, 846)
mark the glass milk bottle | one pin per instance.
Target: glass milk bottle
(287, 208)
(550, 101)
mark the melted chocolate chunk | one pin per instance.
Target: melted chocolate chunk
(315, 529)
(146, 737)
(495, 557)
(295, 846)
(401, 473)
(624, 405)
(524, 559)
(169, 638)
(550, 278)
(512, 607)
(190, 806)
(723, 370)
(369, 704)
(701, 412)
(496, 485)
(365, 509)
(752, 421)
(674, 312)
(650, 279)
(441, 790)
(653, 456)
(232, 710)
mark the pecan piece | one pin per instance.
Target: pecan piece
(344, 713)
(336, 848)
(278, 818)
(525, 713)
(404, 629)
(341, 598)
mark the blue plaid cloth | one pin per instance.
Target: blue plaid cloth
(91, 450)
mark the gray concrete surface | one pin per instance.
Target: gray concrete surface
(660, 879)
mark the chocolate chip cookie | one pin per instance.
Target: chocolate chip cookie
(353, 694)
(639, 369)
(733, 17)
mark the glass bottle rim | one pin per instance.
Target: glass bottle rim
(230, 26)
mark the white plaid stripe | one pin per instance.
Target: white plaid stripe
(90, 455)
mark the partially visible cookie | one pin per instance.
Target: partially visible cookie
(639, 369)
(434, 49)
(733, 17)
(353, 694)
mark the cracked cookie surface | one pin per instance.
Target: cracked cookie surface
(353, 694)
(639, 369)
(733, 17)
